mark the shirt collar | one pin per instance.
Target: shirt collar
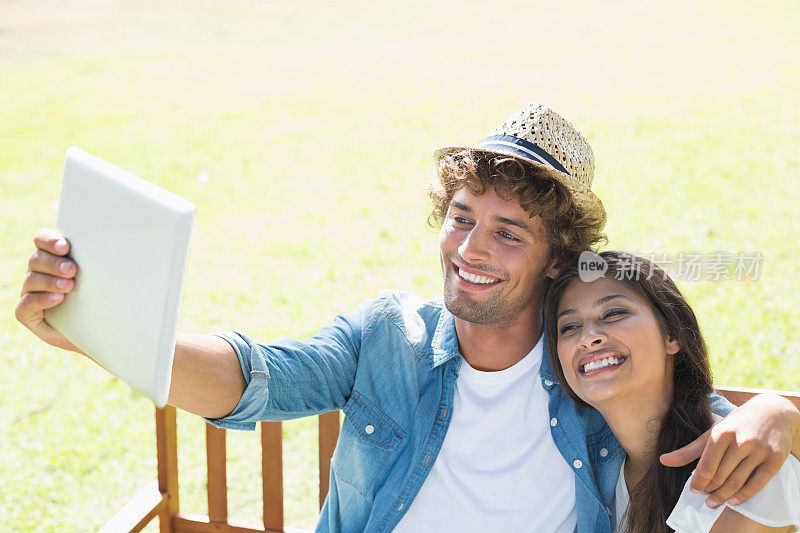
(445, 339)
(546, 368)
(445, 345)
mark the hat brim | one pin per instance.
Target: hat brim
(583, 197)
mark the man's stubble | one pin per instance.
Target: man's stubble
(498, 310)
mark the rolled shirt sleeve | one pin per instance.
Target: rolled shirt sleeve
(256, 374)
(291, 378)
(720, 405)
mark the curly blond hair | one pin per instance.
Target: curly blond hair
(569, 229)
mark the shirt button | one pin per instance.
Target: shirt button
(369, 429)
(603, 452)
(548, 383)
(577, 463)
(553, 421)
(400, 507)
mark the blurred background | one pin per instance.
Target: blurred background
(303, 132)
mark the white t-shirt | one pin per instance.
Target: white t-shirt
(776, 505)
(621, 501)
(498, 469)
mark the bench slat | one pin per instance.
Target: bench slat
(739, 395)
(272, 474)
(216, 461)
(328, 434)
(167, 457)
(138, 512)
(201, 524)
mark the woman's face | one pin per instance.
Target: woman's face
(610, 344)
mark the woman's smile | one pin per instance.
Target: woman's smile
(602, 361)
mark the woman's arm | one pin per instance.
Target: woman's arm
(730, 520)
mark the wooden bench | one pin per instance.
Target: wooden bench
(160, 497)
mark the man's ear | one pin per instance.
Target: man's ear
(554, 268)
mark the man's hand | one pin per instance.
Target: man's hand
(49, 278)
(202, 363)
(740, 454)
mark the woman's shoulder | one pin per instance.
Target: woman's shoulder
(776, 505)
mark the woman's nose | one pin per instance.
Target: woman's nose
(592, 337)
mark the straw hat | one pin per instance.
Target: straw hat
(538, 135)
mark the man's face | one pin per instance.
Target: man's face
(494, 260)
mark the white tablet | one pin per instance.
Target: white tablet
(130, 239)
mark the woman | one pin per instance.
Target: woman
(629, 345)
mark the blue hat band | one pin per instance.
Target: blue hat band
(511, 145)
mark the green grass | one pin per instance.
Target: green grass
(315, 124)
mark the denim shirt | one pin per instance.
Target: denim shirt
(391, 366)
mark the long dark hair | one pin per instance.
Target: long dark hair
(689, 414)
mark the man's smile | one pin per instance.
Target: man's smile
(475, 278)
(472, 277)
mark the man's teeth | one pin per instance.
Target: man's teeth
(472, 278)
(602, 363)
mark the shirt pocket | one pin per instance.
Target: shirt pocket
(367, 441)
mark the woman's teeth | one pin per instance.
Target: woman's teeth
(472, 278)
(602, 363)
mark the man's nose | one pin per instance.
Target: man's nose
(475, 248)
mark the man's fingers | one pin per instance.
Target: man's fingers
(733, 483)
(37, 282)
(729, 463)
(55, 265)
(30, 307)
(687, 454)
(709, 461)
(757, 481)
(50, 240)
(30, 312)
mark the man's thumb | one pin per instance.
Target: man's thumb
(687, 454)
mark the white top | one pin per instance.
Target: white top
(776, 505)
(621, 501)
(498, 469)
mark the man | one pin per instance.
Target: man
(454, 418)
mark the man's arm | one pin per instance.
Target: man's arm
(202, 363)
(205, 363)
(740, 454)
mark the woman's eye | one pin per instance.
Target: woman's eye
(567, 328)
(615, 313)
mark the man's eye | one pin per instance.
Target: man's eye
(460, 220)
(506, 235)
